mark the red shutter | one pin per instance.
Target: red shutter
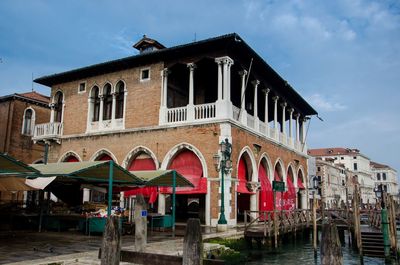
(266, 195)
(242, 177)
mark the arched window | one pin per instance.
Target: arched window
(378, 176)
(120, 90)
(58, 106)
(383, 176)
(28, 122)
(96, 103)
(107, 105)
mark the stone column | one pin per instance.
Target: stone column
(276, 132)
(266, 92)
(224, 107)
(219, 62)
(190, 106)
(243, 112)
(290, 126)
(303, 130)
(297, 127)
(283, 128)
(163, 100)
(89, 114)
(52, 105)
(124, 111)
(101, 111)
(256, 119)
(113, 107)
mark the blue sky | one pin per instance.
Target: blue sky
(343, 56)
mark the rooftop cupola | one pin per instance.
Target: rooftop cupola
(147, 45)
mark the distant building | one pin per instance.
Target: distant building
(386, 176)
(336, 183)
(18, 115)
(170, 108)
(356, 163)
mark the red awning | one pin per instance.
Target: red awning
(289, 197)
(300, 184)
(188, 165)
(266, 195)
(242, 178)
(143, 163)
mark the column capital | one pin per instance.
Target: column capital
(52, 105)
(283, 104)
(101, 96)
(296, 115)
(275, 98)
(165, 72)
(291, 110)
(255, 82)
(266, 91)
(242, 73)
(224, 59)
(191, 66)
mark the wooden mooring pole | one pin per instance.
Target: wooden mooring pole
(140, 216)
(193, 243)
(111, 245)
(331, 251)
(314, 218)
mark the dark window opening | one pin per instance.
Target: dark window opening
(107, 102)
(58, 107)
(355, 166)
(378, 176)
(119, 110)
(96, 103)
(28, 122)
(383, 176)
(82, 87)
(145, 74)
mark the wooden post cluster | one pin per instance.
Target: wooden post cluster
(356, 215)
(392, 222)
(314, 218)
(193, 243)
(331, 251)
(111, 245)
(140, 216)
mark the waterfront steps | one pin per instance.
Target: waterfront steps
(372, 244)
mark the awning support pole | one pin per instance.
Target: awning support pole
(173, 201)
(110, 188)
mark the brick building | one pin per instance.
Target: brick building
(18, 115)
(171, 107)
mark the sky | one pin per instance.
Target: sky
(343, 56)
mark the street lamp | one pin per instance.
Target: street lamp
(223, 163)
(379, 193)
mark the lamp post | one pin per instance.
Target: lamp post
(379, 193)
(223, 163)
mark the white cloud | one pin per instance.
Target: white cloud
(320, 103)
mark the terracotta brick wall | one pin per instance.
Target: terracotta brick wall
(143, 100)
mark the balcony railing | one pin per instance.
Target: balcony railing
(48, 131)
(212, 111)
(204, 111)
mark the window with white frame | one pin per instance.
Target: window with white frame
(145, 74)
(107, 102)
(95, 101)
(82, 87)
(120, 93)
(28, 121)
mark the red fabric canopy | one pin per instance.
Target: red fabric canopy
(289, 197)
(242, 177)
(266, 195)
(71, 159)
(104, 157)
(188, 165)
(148, 192)
(278, 195)
(300, 183)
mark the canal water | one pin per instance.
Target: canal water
(300, 252)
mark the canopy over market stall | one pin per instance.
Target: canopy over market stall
(13, 174)
(164, 178)
(94, 172)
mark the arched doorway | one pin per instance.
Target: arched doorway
(244, 173)
(143, 161)
(278, 176)
(71, 159)
(301, 195)
(104, 157)
(289, 197)
(190, 202)
(266, 199)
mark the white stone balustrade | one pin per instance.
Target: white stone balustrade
(204, 111)
(52, 130)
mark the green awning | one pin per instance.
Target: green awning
(9, 166)
(162, 178)
(89, 171)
